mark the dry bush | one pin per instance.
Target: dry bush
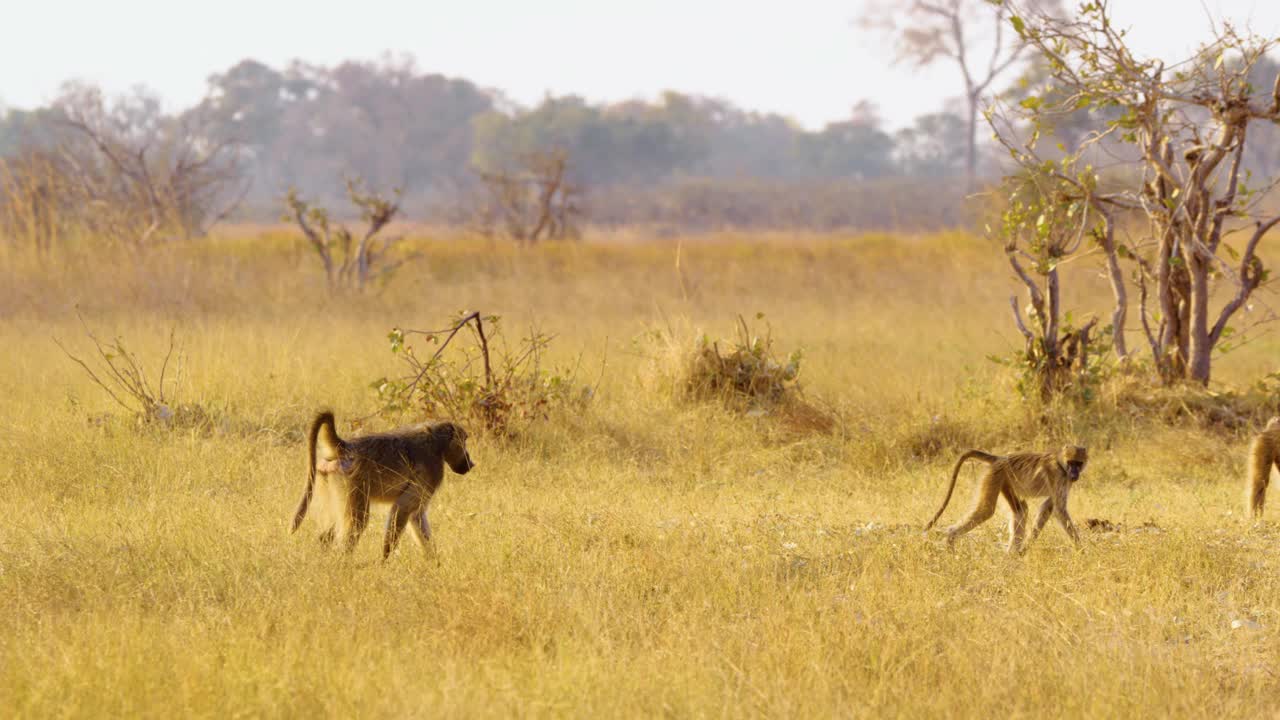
(122, 374)
(747, 377)
(487, 384)
(35, 193)
(1133, 395)
(942, 436)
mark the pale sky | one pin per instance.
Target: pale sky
(806, 59)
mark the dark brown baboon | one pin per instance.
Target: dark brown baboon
(1047, 475)
(1264, 452)
(402, 467)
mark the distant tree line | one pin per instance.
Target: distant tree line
(680, 159)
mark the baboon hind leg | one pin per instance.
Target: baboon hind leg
(357, 516)
(329, 510)
(1258, 483)
(984, 507)
(1258, 497)
(1017, 520)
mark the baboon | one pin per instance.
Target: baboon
(1264, 452)
(1047, 475)
(402, 467)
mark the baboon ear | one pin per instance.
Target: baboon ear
(451, 433)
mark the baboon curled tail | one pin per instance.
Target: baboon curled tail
(985, 457)
(323, 422)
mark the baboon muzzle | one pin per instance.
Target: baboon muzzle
(465, 466)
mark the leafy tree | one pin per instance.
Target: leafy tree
(1188, 127)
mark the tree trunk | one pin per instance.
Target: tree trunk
(971, 144)
(1168, 307)
(1199, 350)
(1182, 326)
(1116, 277)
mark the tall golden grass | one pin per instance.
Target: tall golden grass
(646, 556)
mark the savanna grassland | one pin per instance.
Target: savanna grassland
(640, 555)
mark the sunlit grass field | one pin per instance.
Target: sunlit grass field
(642, 556)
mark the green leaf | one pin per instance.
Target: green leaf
(1042, 226)
(1017, 23)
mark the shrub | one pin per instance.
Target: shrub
(487, 383)
(121, 374)
(747, 377)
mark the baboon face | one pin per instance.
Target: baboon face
(1074, 457)
(455, 453)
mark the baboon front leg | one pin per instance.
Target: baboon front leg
(1042, 517)
(405, 506)
(1064, 519)
(984, 507)
(1017, 520)
(422, 528)
(422, 531)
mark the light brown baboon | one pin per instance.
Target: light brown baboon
(1047, 475)
(402, 467)
(1264, 452)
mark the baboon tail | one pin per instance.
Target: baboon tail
(322, 420)
(985, 457)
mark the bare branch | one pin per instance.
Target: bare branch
(1250, 276)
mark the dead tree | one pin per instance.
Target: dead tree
(969, 33)
(349, 264)
(532, 203)
(138, 176)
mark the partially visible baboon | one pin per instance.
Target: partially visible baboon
(1264, 452)
(1047, 475)
(402, 467)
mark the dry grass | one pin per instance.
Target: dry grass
(647, 556)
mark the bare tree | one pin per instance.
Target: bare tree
(533, 202)
(1188, 125)
(969, 33)
(348, 263)
(143, 174)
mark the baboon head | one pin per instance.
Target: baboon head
(1073, 458)
(454, 442)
